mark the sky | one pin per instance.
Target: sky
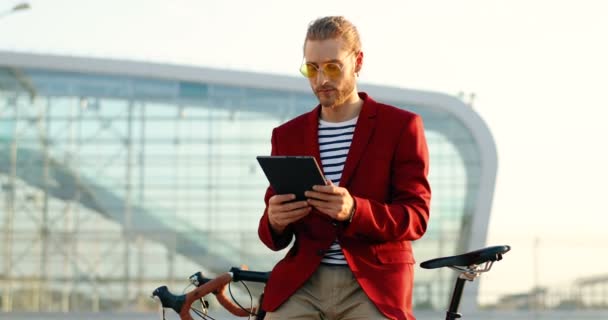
(537, 68)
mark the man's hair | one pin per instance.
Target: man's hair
(334, 27)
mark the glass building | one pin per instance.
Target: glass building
(120, 176)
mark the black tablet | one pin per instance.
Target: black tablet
(292, 174)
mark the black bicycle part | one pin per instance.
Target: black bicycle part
(261, 312)
(238, 274)
(469, 259)
(198, 280)
(476, 257)
(452, 312)
(246, 275)
(170, 300)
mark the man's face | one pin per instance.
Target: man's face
(323, 57)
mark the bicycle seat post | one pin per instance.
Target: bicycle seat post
(452, 312)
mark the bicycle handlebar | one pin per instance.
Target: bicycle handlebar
(182, 303)
(246, 275)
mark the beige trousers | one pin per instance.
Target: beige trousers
(332, 292)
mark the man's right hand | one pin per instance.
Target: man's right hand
(281, 214)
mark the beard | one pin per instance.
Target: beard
(337, 96)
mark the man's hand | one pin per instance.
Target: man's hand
(281, 214)
(334, 201)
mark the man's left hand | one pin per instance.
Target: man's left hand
(336, 202)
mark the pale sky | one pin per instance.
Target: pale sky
(539, 71)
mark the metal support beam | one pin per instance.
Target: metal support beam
(141, 190)
(7, 302)
(128, 200)
(44, 228)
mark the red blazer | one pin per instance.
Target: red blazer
(386, 173)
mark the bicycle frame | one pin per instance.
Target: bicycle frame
(470, 265)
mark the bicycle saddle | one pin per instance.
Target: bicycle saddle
(476, 257)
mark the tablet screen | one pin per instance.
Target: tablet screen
(292, 174)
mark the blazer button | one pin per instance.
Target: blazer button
(320, 252)
(334, 223)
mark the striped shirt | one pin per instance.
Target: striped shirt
(334, 142)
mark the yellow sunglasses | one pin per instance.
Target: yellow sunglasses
(332, 70)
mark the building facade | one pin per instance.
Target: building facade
(120, 176)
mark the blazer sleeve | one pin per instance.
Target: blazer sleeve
(406, 216)
(265, 233)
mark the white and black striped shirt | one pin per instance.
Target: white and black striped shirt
(334, 142)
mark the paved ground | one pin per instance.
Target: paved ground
(487, 315)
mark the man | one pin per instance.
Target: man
(352, 257)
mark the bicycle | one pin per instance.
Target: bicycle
(470, 265)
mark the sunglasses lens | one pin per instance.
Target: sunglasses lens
(308, 70)
(332, 70)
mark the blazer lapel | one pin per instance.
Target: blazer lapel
(311, 134)
(363, 132)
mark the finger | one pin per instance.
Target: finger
(327, 189)
(292, 216)
(287, 207)
(320, 204)
(280, 198)
(322, 196)
(328, 212)
(299, 213)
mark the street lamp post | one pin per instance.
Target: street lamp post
(20, 7)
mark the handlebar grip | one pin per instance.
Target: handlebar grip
(245, 275)
(168, 299)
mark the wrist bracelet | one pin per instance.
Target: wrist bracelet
(352, 213)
